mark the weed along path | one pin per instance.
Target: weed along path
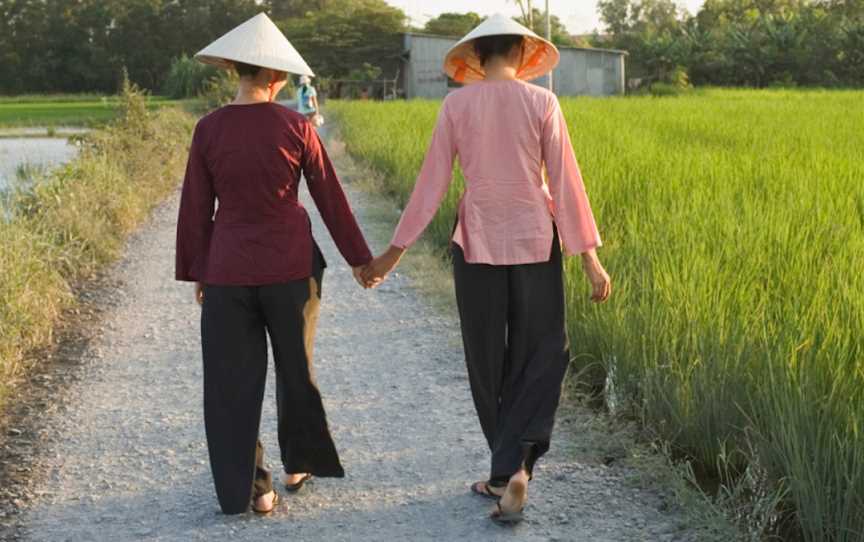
(125, 457)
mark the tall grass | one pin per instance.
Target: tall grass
(733, 224)
(74, 220)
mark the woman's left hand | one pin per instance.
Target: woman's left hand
(359, 273)
(601, 284)
(383, 265)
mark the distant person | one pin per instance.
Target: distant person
(507, 261)
(307, 99)
(257, 269)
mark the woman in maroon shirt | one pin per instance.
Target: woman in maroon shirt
(257, 268)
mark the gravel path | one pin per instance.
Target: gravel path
(124, 457)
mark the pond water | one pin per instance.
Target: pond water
(36, 152)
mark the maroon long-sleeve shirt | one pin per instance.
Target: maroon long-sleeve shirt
(250, 158)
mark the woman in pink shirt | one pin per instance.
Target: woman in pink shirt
(507, 260)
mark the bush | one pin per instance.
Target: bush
(187, 78)
(221, 89)
(664, 89)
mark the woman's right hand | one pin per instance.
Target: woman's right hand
(601, 284)
(199, 293)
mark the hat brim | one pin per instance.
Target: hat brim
(273, 64)
(257, 42)
(539, 57)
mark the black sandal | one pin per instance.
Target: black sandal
(272, 507)
(294, 488)
(482, 489)
(506, 519)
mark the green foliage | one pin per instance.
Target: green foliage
(741, 42)
(661, 89)
(366, 72)
(732, 223)
(73, 220)
(453, 24)
(679, 78)
(560, 34)
(187, 78)
(221, 89)
(676, 83)
(344, 35)
(75, 45)
(459, 24)
(66, 110)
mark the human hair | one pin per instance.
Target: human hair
(487, 47)
(246, 70)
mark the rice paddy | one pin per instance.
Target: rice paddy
(733, 223)
(64, 110)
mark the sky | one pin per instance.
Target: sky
(580, 16)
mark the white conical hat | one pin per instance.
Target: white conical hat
(462, 65)
(257, 42)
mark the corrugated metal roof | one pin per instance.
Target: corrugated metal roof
(455, 39)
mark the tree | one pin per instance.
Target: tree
(527, 9)
(560, 34)
(344, 35)
(453, 24)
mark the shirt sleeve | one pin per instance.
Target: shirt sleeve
(195, 219)
(571, 208)
(330, 199)
(434, 179)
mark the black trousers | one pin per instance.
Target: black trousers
(516, 350)
(234, 321)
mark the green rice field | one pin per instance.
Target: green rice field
(63, 110)
(733, 223)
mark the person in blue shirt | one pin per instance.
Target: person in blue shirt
(307, 98)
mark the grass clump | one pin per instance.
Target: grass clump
(64, 227)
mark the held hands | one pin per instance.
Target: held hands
(358, 276)
(376, 271)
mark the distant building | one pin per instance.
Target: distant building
(581, 72)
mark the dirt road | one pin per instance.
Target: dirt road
(124, 457)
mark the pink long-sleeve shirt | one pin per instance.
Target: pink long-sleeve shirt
(503, 133)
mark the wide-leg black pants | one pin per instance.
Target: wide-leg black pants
(234, 322)
(516, 349)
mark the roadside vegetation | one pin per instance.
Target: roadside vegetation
(734, 231)
(64, 226)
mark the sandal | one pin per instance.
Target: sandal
(294, 488)
(483, 489)
(508, 519)
(272, 506)
(518, 492)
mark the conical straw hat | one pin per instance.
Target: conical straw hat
(463, 66)
(257, 42)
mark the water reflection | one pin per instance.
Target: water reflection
(31, 152)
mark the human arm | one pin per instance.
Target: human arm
(195, 218)
(330, 199)
(571, 207)
(431, 186)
